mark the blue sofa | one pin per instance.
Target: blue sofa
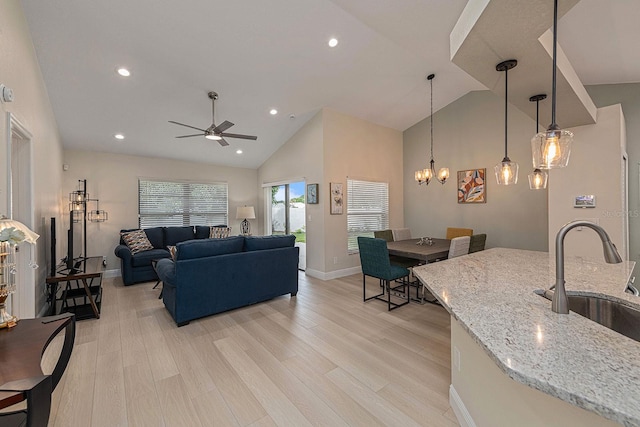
(136, 268)
(214, 275)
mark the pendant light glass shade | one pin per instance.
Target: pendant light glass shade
(425, 176)
(538, 179)
(551, 148)
(507, 170)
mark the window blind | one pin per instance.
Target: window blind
(174, 203)
(367, 210)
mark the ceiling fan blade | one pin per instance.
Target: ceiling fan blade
(189, 136)
(222, 127)
(236, 135)
(222, 142)
(182, 124)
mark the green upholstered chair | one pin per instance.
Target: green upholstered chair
(386, 235)
(477, 243)
(374, 259)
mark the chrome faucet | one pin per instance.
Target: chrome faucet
(559, 303)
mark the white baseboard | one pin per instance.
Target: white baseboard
(333, 274)
(463, 416)
(107, 274)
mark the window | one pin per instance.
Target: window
(367, 210)
(176, 203)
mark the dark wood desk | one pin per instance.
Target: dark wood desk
(410, 249)
(21, 377)
(91, 269)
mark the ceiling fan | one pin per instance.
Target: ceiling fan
(213, 132)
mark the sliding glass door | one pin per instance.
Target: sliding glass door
(287, 214)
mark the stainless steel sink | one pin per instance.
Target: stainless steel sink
(614, 315)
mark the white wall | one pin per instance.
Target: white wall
(20, 71)
(594, 168)
(301, 157)
(469, 134)
(113, 179)
(355, 148)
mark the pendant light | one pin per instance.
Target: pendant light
(551, 149)
(506, 171)
(425, 175)
(538, 178)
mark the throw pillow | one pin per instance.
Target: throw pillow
(172, 252)
(137, 241)
(219, 232)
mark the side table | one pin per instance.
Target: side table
(21, 377)
(153, 264)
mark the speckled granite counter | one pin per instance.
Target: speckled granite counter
(491, 294)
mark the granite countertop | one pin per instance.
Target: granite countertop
(491, 294)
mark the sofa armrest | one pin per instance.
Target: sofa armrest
(166, 270)
(123, 252)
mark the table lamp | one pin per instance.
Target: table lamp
(245, 212)
(11, 234)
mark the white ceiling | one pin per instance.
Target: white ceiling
(260, 55)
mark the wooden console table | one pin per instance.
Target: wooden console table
(21, 377)
(89, 291)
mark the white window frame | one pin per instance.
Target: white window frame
(188, 209)
(367, 210)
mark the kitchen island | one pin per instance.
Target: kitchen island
(514, 361)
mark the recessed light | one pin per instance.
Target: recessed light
(124, 72)
(333, 42)
(118, 136)
(273, 112)
(238, 151)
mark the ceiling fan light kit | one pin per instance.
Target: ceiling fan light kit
(213, 132)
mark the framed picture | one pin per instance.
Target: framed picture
(471, 186)
(337, 198)
(312, 194)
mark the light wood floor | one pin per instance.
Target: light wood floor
(321, 358)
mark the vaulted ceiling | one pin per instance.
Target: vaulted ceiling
(262, 55)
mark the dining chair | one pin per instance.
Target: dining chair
(374, 259)
(477, 243)
(386, 235)
(453, 232)
(401, 234)
(459, 246)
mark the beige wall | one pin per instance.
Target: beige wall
(469, 134)
(300, 158)
(628, 95)
(113, 179)
(20, 71)
(354, 148)
(329, 148)
(595, 167)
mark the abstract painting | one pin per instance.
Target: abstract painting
(471, 186)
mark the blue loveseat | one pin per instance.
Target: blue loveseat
(214, 275)
(136, 268)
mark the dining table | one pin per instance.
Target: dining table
(425, 252)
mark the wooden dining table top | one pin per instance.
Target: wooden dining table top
(411, 249)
